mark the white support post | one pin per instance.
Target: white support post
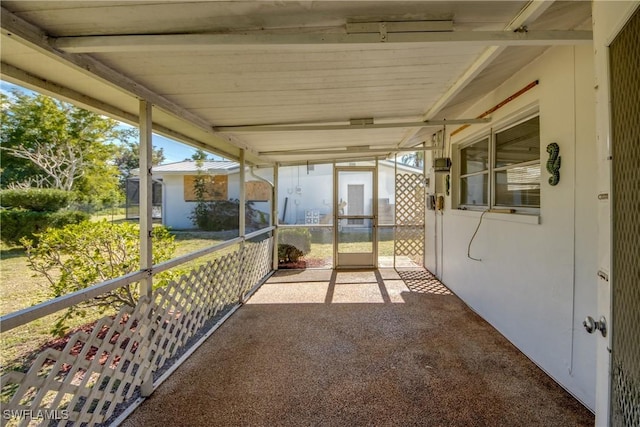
(426, 194)
(146, 218)
(242, 222)
(243, 194)
(395, 204)
(146, 200)
(274, 215)
(376, 217)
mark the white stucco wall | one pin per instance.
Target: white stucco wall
(316, 190)
(536, 281)
(302, 190)
(387, 183)
(176, 211)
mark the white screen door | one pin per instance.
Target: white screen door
(355, 197)
(624, 319)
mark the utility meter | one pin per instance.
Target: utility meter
(442, 164)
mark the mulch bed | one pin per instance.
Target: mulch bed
(305, 263)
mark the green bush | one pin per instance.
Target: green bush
(16, 224)
(62, 218)
(288, 253)
(293, 243)
(36, 199)
(222, 215)
(218, 215)
(77, 256)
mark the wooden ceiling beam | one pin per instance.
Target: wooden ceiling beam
(204, 42)
(351, 126)
(349, 150)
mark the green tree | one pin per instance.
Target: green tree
(200, 214)
(52, 144)
(128, 158)
(415, 159)
(199, 156)
(77, 256)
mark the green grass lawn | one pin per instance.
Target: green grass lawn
(325, 250)
(21, 288)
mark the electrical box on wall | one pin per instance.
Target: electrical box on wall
(431, 202)
(439, 184)
(442, 164)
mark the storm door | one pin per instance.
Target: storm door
(355, 207)
(625, 309)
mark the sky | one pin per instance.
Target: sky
(173, 151)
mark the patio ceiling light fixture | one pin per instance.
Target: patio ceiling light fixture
(399, 27)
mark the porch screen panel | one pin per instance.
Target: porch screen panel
(409, 216)
(132, 346)
(625, 111)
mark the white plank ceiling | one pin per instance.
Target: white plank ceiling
(285, 73)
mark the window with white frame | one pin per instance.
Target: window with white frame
(502, 169)
(474, 173)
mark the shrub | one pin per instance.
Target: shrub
(221, 215)
(293, 243)
(62, 218)
(288, 253)
(20, 223)
(36, 199)
(80, 255)
(217, 215)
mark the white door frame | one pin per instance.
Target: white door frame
(363, 260)
(609, 20)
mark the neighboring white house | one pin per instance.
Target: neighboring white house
(305, 192)
(222, 183)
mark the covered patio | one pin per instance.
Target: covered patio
(505, 108)
(381, 347)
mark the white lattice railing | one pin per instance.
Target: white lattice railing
(409, 217)
(83, 383)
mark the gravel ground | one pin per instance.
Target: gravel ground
(358, 348)
(168, 364)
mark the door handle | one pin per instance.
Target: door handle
(591, 325)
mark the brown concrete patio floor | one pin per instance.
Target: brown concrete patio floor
(317, 347)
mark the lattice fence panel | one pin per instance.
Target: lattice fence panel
(410, 199)
(257, 262)
(625, 111)
(410, 217)
(96, 371)
(90, 376)
(409, 241)
(183, 306)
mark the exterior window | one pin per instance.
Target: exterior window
(517, 165)
(474, 174)
(514, 168)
